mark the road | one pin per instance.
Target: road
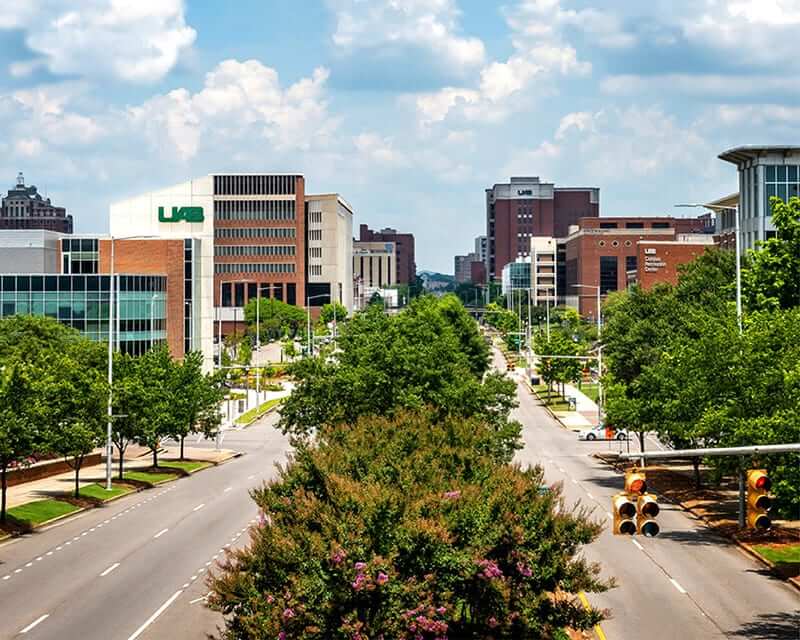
(686, 583)
(106, 573)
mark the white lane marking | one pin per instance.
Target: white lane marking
(106, 521)
(35, 622)
(196, 600)
(17, 570)
(199, 506)
(7, 577)
(39, 558)
(49, 553)
(227, 489)
(160, 533)
(59, 548)
(208, 564)
(574, 481)
(67, 543)
(561, 470)
(193, 578)
(677, 586)
(30, 564)
(591, 497)
(185, 586)
(158, 612)
(608, 513)
(638, 546)
(251, 477)
(110, 569)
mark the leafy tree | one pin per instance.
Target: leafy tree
(71, 409)
(160, 409)
(558, 370)
(327, 313)
(408, 528)
(198, 397)
(18, 429)
(129, 398)
(278, 319)
(772, 280)
(501, 319)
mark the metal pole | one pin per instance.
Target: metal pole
(219, 327)
(599, 323)
(308, 326)
(109, 444)
(258, 343)
(759, 449)
(738, 273)
(599, 385)
(547, 307)
(742, 504)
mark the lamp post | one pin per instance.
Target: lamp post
(310, 341)
(738, 244)
(111, 288)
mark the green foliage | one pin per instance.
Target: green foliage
(35, 513)
(278, 319)
(197, 399)
(406, 528)
(501, 319)
(558, 370)
(327, 313)
(772, 280)
(431, 354)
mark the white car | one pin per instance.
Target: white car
(599, 433)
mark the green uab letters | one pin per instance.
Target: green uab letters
(189, 214)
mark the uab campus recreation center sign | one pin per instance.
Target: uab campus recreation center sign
(181, 214)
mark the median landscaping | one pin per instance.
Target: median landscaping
(149, 478)
(36, 513)
(257, 412)
(98, 493)
(186, 466)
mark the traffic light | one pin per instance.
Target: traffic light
(758, 499)
(624, 512)
(647, 509)
(635, 482)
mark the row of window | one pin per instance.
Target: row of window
(254, 267)
(255, 185)
(254, 209)
(315, 270)
(223, 250)
(315, 217)
(315, 252)
(54, 283)
(255, 232)
(233, 293)
(315, 234)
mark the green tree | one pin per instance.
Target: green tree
(18, 430)
(277, 318)
(772, 279)
(198, 398)
(327, 315)
(129, 398)
(160, 406)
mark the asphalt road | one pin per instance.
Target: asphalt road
(136, 568)
(685, 584)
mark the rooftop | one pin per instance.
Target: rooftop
(738, 155)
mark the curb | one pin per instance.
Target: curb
(794, 582)
(546, 406)
(47, 523)
(257, 418)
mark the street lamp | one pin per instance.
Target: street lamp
(738, 244)
(112, 284)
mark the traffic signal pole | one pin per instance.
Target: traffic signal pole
(742, 496)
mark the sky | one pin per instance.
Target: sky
(408, 108)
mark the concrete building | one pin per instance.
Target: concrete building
(525, 207)
(544, 276)
(23, 207)
(29, 251)
(463, 267)
(482, 248)
(329, 219)
(764, 172)
(373, 269)
(516, 276)
(405, 264)
(601, 252)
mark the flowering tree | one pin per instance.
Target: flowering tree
(407, 528)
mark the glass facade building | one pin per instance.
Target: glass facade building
(517, 275)
(81, 301)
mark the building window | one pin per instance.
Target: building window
(608, 274)
(608, 225)
(782, 181)
(661, 225)
(631, 263)
(634, 225)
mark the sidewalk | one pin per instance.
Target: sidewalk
(63, 484)
(585, 417)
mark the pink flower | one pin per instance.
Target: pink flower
(338, 556)
(451, 495)
(270, 599)
(441, 610)
(492, 622)
(524, 569)
(489, 570)
(282, 636)
(382, 578)
(359, 566)
(288, 613)
(358, 583)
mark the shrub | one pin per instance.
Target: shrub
(408, 528)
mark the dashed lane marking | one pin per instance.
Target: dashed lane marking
(35, 622)
(638, 546)
(158, 612)
(160, 533)
(109, 570)
(677, 586)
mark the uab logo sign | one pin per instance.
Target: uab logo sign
(181, 214)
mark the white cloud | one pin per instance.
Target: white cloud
(29, 147)
(378, 149)
(580, 120)
(136, 41)
(431, 25)
(701, 84)
(239, 101)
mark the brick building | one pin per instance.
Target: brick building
(660, 260)
(524, 208)
(405, 265)
(23, 207)
(599, 252)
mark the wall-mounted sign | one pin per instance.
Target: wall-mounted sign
(524, 192)
(181, 214)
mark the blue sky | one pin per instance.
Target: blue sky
(408, 108)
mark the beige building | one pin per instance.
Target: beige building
(543, 270)
(330, 248)
(374, 268)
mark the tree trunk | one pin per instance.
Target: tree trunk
(696, 465)
(3, 482)
(155, 457)
(641, 441)
(182, 439)
(121, 463)
(78, 463)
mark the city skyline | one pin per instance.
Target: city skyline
(428, 103)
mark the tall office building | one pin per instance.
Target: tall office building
(329, 221)
(525, 207)
(23, 207)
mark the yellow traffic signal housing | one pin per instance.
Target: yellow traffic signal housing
(647, 509)
(635, 482)
(624, 510)
(758, 499)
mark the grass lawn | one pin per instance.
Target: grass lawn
(591, 390)
(256, 412)
(184, 465)
(98, 492)
(556, 401)
(149, 477)
(782, 554)
(41, 511)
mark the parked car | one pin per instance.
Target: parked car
(603, 433)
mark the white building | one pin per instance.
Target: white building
(374, 269)
(330, 246)
(543, 270)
